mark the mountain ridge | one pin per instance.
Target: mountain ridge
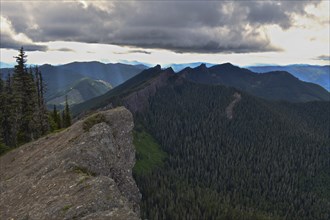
(278, 85)
(273, 86)
(319, 74)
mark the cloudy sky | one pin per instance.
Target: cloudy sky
(243, 32)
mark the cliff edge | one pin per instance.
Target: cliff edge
(83, 172)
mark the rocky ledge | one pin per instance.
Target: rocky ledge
(83, 172)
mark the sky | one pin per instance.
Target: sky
(242, 32)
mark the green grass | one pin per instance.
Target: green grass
(83, 171)
(66, 208)
(148, 153)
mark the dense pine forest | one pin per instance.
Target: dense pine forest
(23, 113)
(270, 161)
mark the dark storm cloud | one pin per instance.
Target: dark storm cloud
(6, 41)
(184, 26)
(275, 12)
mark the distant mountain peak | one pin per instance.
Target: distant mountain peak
(225, 66)
(282, 74)
(228, 64)
(203, 65)
(169, 69)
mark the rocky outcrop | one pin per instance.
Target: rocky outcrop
(79, 173)
(138, 101)
(229, 109)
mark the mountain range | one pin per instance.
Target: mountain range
(211, 142)
(76, 80)
(277, 85)
(226, 143)
(309, 73)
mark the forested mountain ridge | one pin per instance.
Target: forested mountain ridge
(318, 74)
(276, 85)
(309, 73)
(144, 84)
(273, 85)
(268, 161)
(262, 160)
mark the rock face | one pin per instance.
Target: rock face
(78, 173)
(138, 100)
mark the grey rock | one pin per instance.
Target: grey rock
(73, 174)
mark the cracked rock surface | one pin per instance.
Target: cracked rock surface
(73, 174)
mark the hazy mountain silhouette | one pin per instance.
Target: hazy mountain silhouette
(309, 73)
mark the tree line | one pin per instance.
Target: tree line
(23, 112)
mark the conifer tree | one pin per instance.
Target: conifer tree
(9, 118)
(25, 99)
(42, 109)
(56, 118)
(3, 147)
(23, 112)
(2, 106)
(67, 114)
(63, 124)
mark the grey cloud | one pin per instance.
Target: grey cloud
(9, 43)
(323, 57)
(276, 12)
(64, 49)
(133, 51)
(184, 26)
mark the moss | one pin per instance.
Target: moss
(83, 179)
(93, 120)
(84, 171)
(66, 208)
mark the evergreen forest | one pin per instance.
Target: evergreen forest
(270, 161)
(23, 113)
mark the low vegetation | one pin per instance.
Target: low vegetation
(83, 171)
(93, 120)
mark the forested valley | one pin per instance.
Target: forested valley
(270, 161)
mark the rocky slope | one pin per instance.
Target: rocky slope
(83, 172)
